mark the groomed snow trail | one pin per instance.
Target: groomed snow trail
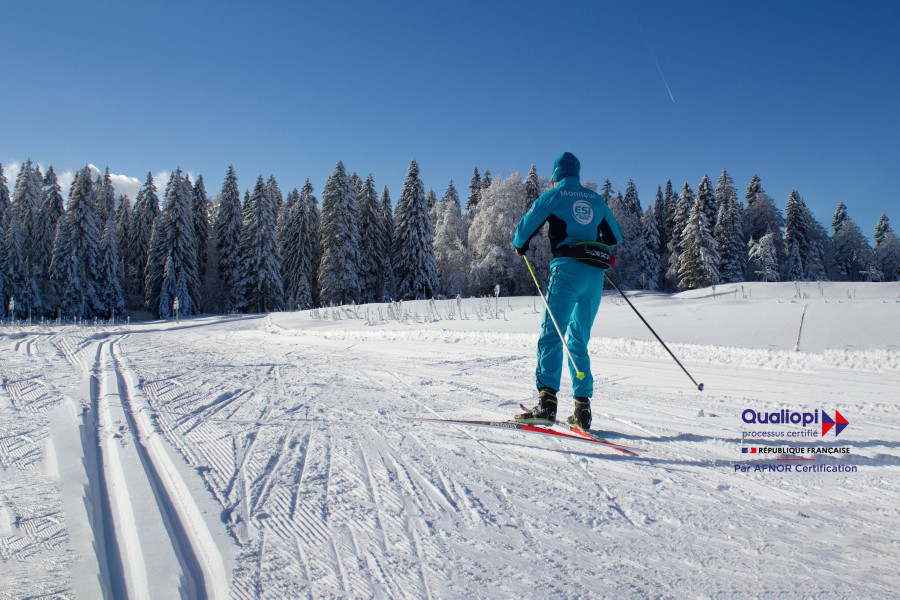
(292, 426)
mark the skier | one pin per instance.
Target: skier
(582, 228)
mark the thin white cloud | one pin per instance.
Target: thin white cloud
(123, 184)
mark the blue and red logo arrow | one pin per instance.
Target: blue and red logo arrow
(839, 423)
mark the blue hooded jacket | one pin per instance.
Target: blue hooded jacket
(574, 213)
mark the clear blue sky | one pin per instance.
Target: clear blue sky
(807, 94)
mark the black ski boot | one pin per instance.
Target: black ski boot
(544, 413)
(581, 418)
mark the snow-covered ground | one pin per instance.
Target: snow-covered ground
(268, 456)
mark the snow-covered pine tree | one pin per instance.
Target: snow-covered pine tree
(294, 278)
(415, 269)
(670, 201)
(109, 284)
(76, 252)
(338, 270)
(494, 261)
(881, 228)
(371, 259)
(5, 204)
(887, 250)
(450, 252)
(173, 254)
(853, 257)
(840, 215)
(430, 198)
(229, 216)
(26, 199)
(145, 213)
(52, 208)
(659, 214)
(699, 256)
(273, 192)
(706, 196)
(796, 233)
(474, 193)
(387, 243)
(260, 262)
(533, 186)
(20, 283)
(729, 234)
(312, 246)
(683, 207)
(128, 269)
(650, 253)
(818, 261)
(764, 257)
(200, 205)
(627, 271)
(105, 196)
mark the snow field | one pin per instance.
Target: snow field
(287, 436)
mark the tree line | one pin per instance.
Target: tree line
(99, 255)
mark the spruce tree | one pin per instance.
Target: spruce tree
(105, 195)
(294, 277)
(796, 233)
(260, 261)
(273, 192)
(650, 254)
(145, 214)
(76, 252)
(172, 266)
(415, 269)
(474, 192)
(887, 249)
(201, 224)
(764, 257)
(659, 214)
(699, 258)
(628, 252)
(853, 257)
(52, 208)
(387, 242)
(109, 284)
(729, 232)
(5, 204)
(840, 215)
(128, 269)
(881, 228)
(312, 234)
(338, 270)
(683, 207)
(372, 258)
(762, 217)
(533, 187)
(229, 216)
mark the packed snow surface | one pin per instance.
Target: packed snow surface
(268, 456)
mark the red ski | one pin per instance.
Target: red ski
(574, 434)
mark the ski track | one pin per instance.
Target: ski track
(327, 493)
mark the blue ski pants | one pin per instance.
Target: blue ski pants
(574, 298)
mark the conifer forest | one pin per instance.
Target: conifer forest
(91, 253)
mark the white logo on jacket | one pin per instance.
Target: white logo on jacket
(583, 212)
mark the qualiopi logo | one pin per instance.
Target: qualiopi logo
(785, 416)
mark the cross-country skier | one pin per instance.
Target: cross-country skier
(582, 228)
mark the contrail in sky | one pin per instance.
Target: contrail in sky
(652, 55)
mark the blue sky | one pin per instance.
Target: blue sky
(803, 93)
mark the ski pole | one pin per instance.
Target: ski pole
(699, 385)
(578, 372)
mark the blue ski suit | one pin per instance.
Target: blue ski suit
(574, 214)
